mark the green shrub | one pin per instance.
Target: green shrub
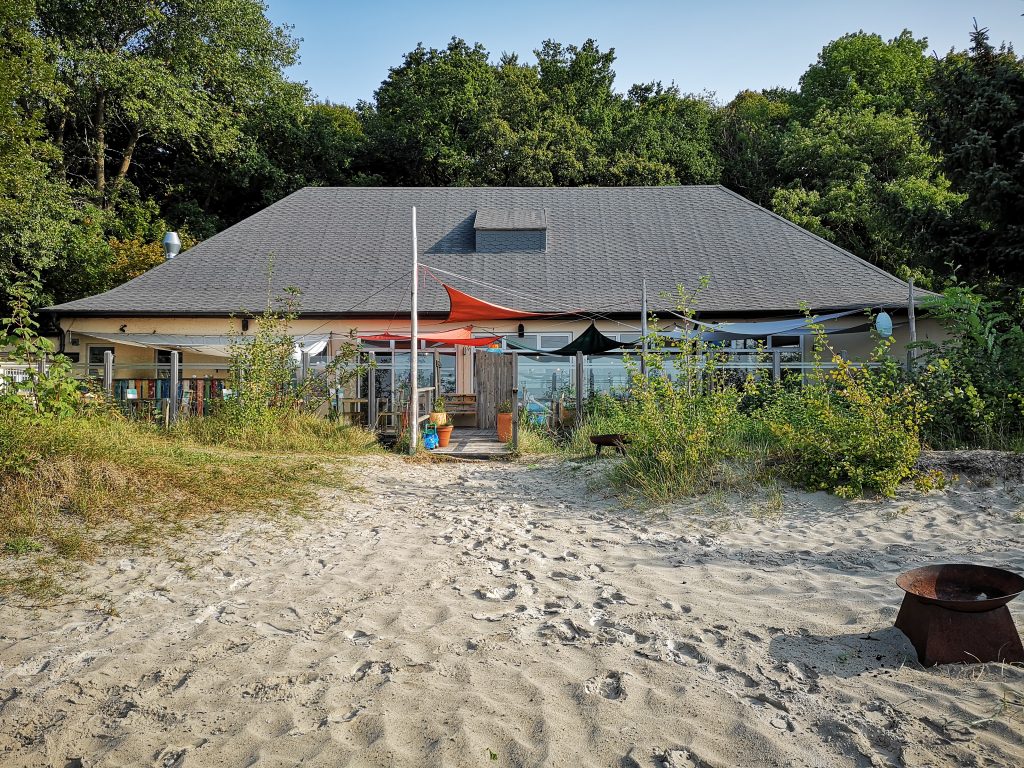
(849, 431)
(678, 439)
(682, 418)
(973, 380)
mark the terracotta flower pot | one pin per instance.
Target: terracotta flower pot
(444, 434)
(504, 427)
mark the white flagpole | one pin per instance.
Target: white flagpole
(414, 343)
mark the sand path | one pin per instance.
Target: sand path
(517, 615)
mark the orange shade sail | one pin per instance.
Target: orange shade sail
(459, 336)
(466, 308)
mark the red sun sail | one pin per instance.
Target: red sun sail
(466, 308)
(460, 336)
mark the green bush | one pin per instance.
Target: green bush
(849, 431)
(682, 418)
(973, 380)
(679, 438)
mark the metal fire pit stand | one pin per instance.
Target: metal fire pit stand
(944, 636)
(955, 613)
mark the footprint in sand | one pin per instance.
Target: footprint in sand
(566, 631)
(498, 594)
(559, 604)
(609, 686)
(680, 758)
(358, 637)
(610, 596)
(497, 566)
(375, 668)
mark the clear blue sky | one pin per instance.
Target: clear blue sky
(717, 45)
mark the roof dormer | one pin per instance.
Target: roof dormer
(499, 230)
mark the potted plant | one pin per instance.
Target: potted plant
(505, 421)
(444, 434)
(439, 415)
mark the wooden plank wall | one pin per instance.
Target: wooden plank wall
(493, 385)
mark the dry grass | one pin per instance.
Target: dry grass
(82, 487)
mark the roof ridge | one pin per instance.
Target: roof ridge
(505, 186)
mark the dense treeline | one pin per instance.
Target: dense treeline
(116, 125)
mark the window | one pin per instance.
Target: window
(553, 341)
(96, 359)
(163, 363)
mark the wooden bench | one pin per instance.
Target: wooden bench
(461, 405)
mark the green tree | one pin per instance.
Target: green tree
(864, 71)
(662, 128)
(286, 143)
(136, 71)
(434, 116)
(866, 181)
(748, 138)
(975, 118)
(851, 164)
(35, 210)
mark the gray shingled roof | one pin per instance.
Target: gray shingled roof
(348, 249)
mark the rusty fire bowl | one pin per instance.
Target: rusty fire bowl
(962, 587)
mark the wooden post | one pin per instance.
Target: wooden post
(303, 373)
(911, 316)
(414, 337)
(108, 373)
(515, 401)
(579, 386)
(776, 365)
(175, 377)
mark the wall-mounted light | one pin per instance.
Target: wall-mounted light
(245, 324)
(521, 330)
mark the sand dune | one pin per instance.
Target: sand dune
(517, 615)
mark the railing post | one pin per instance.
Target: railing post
(515, 401)
(776, 365)
(303, 375)
(108, 373)
(371, 392)
(175, 377)
(579, 386)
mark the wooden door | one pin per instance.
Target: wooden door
(493, 375)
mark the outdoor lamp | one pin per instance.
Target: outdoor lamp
(883, 324)
(172, 245)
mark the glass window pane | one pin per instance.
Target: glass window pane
(96, 359)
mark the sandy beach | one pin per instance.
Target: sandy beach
(473, 614)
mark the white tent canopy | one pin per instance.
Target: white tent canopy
(213, 346)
